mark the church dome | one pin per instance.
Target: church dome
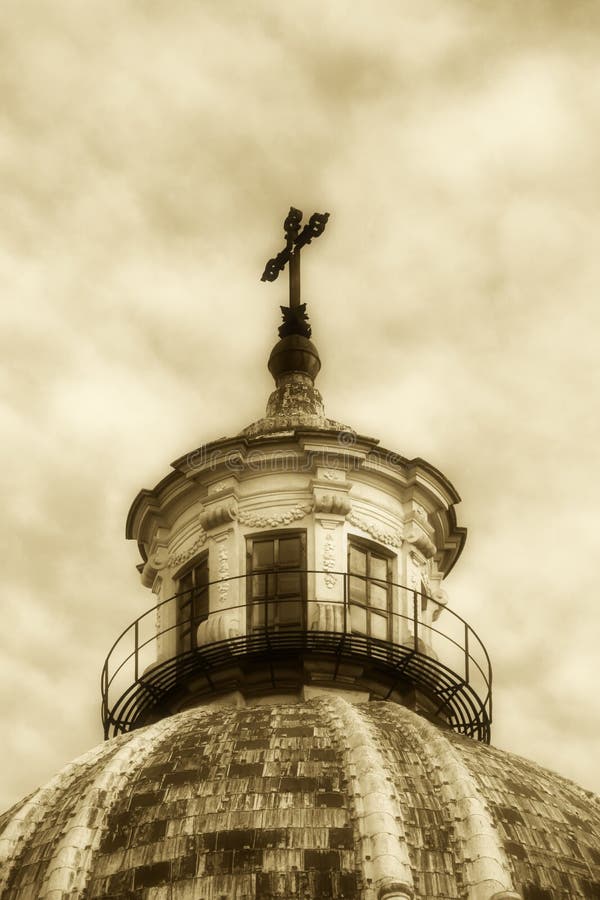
(325, 798)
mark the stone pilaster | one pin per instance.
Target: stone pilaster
(226, 618)
(331, 505)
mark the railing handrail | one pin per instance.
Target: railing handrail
(471, 636)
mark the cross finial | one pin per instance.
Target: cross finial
(294, 322)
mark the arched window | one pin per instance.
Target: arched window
(369, 590)
(276, 565)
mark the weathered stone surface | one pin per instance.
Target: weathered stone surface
(323, 799)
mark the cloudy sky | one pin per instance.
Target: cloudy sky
(149, 152)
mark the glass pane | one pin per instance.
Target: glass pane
(288, 613)
(185, 606)
(257, 615)
(259, 585)
(358, 561)
(288, 583)
(186, 581)
(185, 641)
(262, 554)
(201, 605)
(290, 552)
(378, 597)
(378, 568)
(358, 619)
(201, 575)
(378, 626)
(358, 589)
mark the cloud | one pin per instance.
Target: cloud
(149, 154)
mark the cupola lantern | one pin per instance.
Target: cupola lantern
(295, 559)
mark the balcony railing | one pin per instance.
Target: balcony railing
(443, 657)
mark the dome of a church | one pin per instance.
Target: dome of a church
(301, 713)
(321, 799)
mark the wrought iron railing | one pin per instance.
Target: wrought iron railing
(444, 659)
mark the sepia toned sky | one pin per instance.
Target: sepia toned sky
(148, 155)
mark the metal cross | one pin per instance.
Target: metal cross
(294, 241)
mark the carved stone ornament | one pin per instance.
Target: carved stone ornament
(420, 512)
(176, 559)
(223, 571)
(216, 515)
(338, 504)
(333, 475)
(159, 559)
(418, 572)
(417, 536)
(390, 538)
(274, 518)
(329, 559)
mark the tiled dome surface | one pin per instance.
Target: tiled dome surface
(317, 800)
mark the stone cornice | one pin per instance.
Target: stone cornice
(335, 455)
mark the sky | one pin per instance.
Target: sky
(148, 155)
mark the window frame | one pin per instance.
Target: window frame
(186, 598)
(272, 571)
(371, 548)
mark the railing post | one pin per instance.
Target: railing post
(466, 653)
(345, 576)
(415, 621)
(137, 644)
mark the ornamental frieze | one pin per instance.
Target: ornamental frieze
(176, 559)
(383, 535)
(273, 518)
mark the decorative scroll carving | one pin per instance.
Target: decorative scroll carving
(417, 536)
(218, 487)
(176, 559)
(218, 627)
(391, 538)
(274, 518)
(159, 559)
(338, 504)
(329, 560)
(216, 515)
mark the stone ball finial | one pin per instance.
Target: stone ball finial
(294, 353)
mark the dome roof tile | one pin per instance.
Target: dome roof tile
(319, 799)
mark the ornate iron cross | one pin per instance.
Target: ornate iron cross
(294, 241)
